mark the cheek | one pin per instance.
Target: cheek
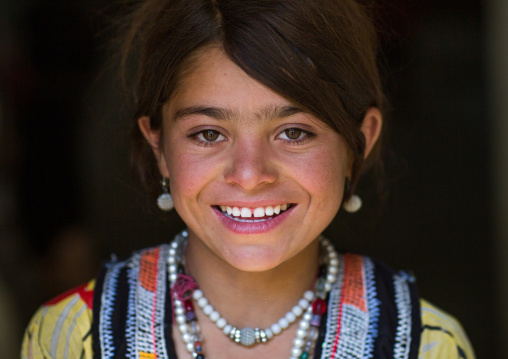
(323, 178)
(190, 173)
(185, 174)
(325, 173)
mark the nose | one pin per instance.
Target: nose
(251, 165)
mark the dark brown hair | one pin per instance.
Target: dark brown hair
(319, 54)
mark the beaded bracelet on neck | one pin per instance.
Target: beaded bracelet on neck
(185, 289)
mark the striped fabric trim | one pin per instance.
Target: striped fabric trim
(143, 328)
(357, 310)
(58, 329)
(43, 315)
(59, 324)
(441, 333)
(106, 312)
(130, 324)
(159, 309)
(69, 333)
(354, 312)
(404, 313)
(332, 317)
(347, 329)
(373, 304)
(149, 303)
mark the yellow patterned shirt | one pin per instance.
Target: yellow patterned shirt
(61, 329)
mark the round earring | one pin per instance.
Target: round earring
(165, 201)
(354, 203)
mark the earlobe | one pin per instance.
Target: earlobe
(371, 128)
(153, 138)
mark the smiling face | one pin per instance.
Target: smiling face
(255, 179)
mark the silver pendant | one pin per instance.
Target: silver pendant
(248, 336)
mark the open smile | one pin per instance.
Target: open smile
(245, 220)
(243, 214)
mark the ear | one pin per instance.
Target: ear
(371, 128)
(153, 137)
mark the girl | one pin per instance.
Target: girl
(254, 119)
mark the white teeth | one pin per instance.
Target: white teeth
(245, 212)
(259, 212)
(268, 211)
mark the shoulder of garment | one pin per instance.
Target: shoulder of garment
(61, 328)
(442, 335)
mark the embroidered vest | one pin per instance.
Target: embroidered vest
(373, 312)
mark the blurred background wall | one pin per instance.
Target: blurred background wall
(67, 199)
(497, 72)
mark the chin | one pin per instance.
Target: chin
(253, 259)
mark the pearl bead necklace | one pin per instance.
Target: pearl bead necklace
(306, 335)
(249, 336)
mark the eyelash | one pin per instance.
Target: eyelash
(202, 141)
(307, 135)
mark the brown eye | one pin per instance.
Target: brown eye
(210, 135)
(293, 133)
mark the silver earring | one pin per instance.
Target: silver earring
(354, 203)
(165, 201)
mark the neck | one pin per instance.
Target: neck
(254, 299)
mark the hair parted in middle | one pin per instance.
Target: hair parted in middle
(318, 54)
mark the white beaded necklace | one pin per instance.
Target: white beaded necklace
(306, 335)
(250, 336)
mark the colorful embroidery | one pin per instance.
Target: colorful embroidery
(348, 319)
(332, 317)
(107, 307)
(149, 304)
(144, 328)
(354, 286)
(352, 319)
(403, 302)
(373, 307)
(354, 309)
(130, 325)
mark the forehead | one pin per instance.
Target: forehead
(212, 79)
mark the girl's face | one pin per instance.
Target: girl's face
(237, 154)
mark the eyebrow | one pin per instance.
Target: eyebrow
(223, 114)
(271, 112)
